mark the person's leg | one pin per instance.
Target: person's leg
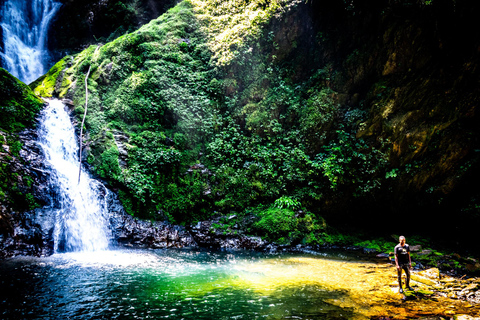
(407, 273)
(399, 272)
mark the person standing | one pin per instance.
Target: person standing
(403, 262)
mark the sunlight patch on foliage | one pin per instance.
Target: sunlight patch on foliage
(232, 25)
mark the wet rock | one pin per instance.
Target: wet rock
(26, 238)
(369, 251)
(425, 252)
(448, 280)
(464, 317)
(121, 141)
(452, 295)
(424, 280)
(416, 248)
(68, 102)
(22, 234)
(354, 248)
(432, 273)
(205, 235)
(473, 267)
(472, 286)
(129, 231)
(419, 266)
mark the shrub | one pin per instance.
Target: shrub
(276, 223)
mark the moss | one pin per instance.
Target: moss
(45, 86)
(18, 104)
(380, 245)
(15, 184)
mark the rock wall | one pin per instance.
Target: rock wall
(20, 233)
(415, 71)
(410, 70)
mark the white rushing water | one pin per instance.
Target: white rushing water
(80, 210)
(25, 26)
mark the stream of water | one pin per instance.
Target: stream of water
(24, 26)
(79, 211)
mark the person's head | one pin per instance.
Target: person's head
(402, 240)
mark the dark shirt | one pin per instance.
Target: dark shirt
(402, 253)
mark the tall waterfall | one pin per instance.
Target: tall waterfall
(80, 210)
(25, 25)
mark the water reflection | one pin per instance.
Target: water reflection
(191, 284)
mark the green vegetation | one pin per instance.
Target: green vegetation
(18, 104)
(285, 226)
(46, 84)
(18, 108)
(216, 108)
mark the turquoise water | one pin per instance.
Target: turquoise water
(160, 284)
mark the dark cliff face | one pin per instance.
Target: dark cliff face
(28, 189)
(81, 23)
(416, 72)
(413, 69)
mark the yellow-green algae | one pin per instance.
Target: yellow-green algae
(369, 289)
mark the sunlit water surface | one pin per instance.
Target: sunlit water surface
(192, 284)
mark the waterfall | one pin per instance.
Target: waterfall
(80, 209)
(24, 26)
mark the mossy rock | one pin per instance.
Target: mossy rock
(46, 85)
(18, 104)
(418, 293)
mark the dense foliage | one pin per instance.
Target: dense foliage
(238, 106)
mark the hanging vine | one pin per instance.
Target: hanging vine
(83, 120)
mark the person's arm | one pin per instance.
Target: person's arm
(409, 261)
(396, 259)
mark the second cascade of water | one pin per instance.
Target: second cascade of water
(25, 26)
(80, 210)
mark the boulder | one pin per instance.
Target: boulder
(130, 231)
(464, 317)
(425, 280)
(425, 252)
(473, 267)
(416, 248)
(432, 273)
(206, 236)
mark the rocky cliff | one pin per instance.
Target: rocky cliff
(361, 113)
(382, 97)
(415, 73)
(21, 176)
